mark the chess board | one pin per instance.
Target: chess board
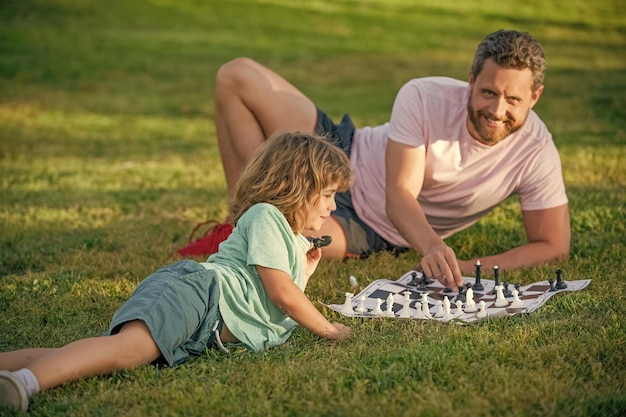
(364, 304)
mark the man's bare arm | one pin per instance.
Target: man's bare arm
(404, 179)
(548, 233)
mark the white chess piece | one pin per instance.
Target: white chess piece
(353, 282)
(347, 305)
(446, 303)
(419, 314)
(516, 301)
(439, 311)
(377, 311)
(482, 312)
(361, 307)
(405, 313)
(470, 304)
(389, 309)
(459, 308)
(425, 309)
(447, 315)
(501, 300)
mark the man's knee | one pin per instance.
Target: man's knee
(230, 71)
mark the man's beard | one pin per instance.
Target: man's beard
(490, 136)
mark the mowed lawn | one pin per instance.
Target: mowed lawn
(108, 159)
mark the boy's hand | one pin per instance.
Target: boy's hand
(342, 332)
(313, 257)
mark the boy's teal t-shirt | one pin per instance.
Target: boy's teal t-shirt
(261, 237)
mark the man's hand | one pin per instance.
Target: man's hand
(440, 262)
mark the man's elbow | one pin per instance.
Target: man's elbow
(560, 252)
(390, 206)
(561, 256)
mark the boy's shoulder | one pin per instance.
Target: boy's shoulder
(262, 213)
(261, 209)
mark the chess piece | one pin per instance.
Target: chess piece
(361, 307)
(551, 282)
(389, 309)
(419, 314)
(347, 305)
(516, 301)
(405, 312)
(377, 310)
(470, 304)
(501, 300)
(478, 286)
(447, 315)
(439, 310)
(423, 283)
(560, 284)
(459, 308)
(461, 295)
(425, 308)
(353, 282)
(319, 242)
(507, 293)
(482, 313)
(496, 278)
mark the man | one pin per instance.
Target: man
(451, 152)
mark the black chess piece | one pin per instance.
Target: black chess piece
(496, 278)
(507, 293)
(320, 242)
(517, 287)
(551, 282)
(423, 284)
(478, 286)
(462, 294)
(560, 284)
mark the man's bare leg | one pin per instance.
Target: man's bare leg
(338, 247)
(251, 103)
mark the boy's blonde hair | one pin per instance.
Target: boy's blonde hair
(289, 171)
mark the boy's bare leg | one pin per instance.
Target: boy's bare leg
(131, 347)
(251, 103)
(18, 359)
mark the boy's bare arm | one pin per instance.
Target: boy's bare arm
(292, 301)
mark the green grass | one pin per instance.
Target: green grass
(108, 158)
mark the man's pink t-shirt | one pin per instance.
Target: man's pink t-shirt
(463, 179)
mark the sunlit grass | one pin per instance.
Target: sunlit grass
(108, 158)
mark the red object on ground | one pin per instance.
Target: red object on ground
(210, 240)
